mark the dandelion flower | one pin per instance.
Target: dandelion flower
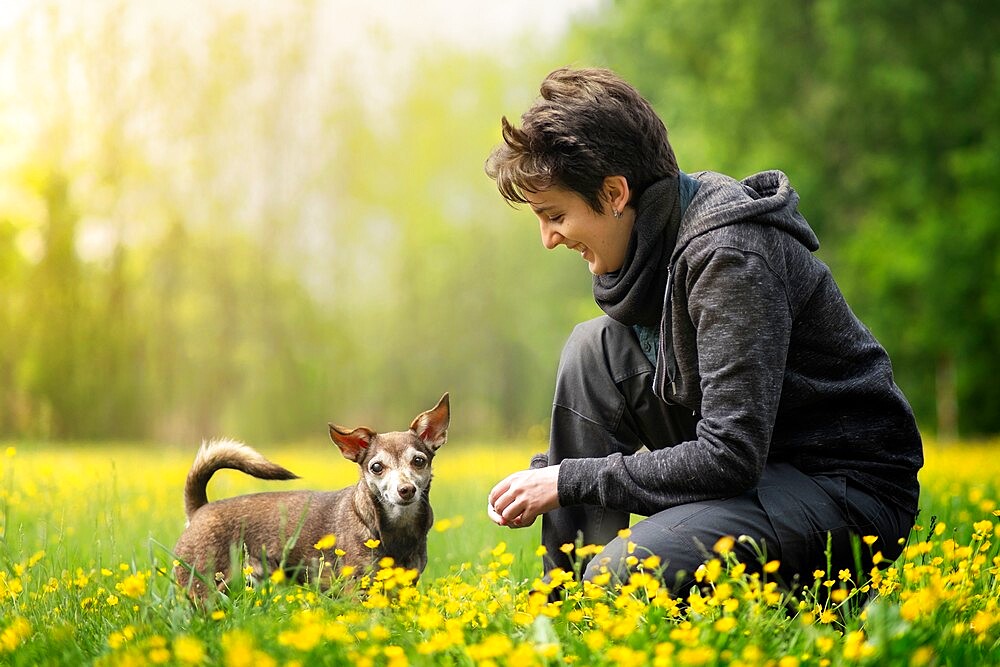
(725, 624)
(188, 650)
(325, 542)
(724, 545)
(133, 586)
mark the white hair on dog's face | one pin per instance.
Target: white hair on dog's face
(399, 477)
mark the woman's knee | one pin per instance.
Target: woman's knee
(685, 537)
(600, 347)
(587, 342)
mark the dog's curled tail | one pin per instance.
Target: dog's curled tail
(218, 454)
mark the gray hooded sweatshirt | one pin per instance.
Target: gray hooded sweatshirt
(759, 343)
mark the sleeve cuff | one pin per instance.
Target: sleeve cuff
(579, 481)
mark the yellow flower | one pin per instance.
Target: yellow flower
(855, 646)
(602, 579)
(133, 586)
(541, 550)
(158, 656)
(922, 656)
(771, 566)
(724, 545)
(725, 624)
(15, 633)
(595, 640)
(844, 575)
(396, 656)
(218, 615)
(11, 452)
(373, 543)
(188, 650)
(624, 534)
(325, 542)
(869, 539)
(347, 570)
(651, 562)
(278, 576)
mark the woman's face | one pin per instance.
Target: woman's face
(564, 218)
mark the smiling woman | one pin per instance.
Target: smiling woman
(729, 390)
(601, 237)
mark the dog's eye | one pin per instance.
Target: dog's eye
(377, 468)
(419, 461)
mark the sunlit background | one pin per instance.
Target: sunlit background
(250, 219)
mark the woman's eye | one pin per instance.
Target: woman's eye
(377, 468)
(419, 461)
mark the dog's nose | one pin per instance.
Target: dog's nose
(406, 491)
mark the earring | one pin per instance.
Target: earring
(618, 214)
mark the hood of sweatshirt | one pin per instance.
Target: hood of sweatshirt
(766, 198)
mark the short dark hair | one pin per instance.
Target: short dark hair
(588, 124)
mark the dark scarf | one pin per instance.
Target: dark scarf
(634, 293)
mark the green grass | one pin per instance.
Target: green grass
(85, 578)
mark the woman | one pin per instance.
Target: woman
(729, 390)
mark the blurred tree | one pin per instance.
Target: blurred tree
(459, 293)
(210, 229)
(883, 116)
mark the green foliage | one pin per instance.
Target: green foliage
(288, 246)
(224, 229)
(882, 115)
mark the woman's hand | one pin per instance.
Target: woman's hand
(519, 499)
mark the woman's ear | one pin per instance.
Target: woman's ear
(616, 193)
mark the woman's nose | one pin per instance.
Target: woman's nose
(550, 237)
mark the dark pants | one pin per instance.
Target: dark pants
(604, 403)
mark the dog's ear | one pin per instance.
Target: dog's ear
(432, 426)
(352, 444)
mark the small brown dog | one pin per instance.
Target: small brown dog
(389, 505)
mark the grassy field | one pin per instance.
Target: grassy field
(85, 568)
